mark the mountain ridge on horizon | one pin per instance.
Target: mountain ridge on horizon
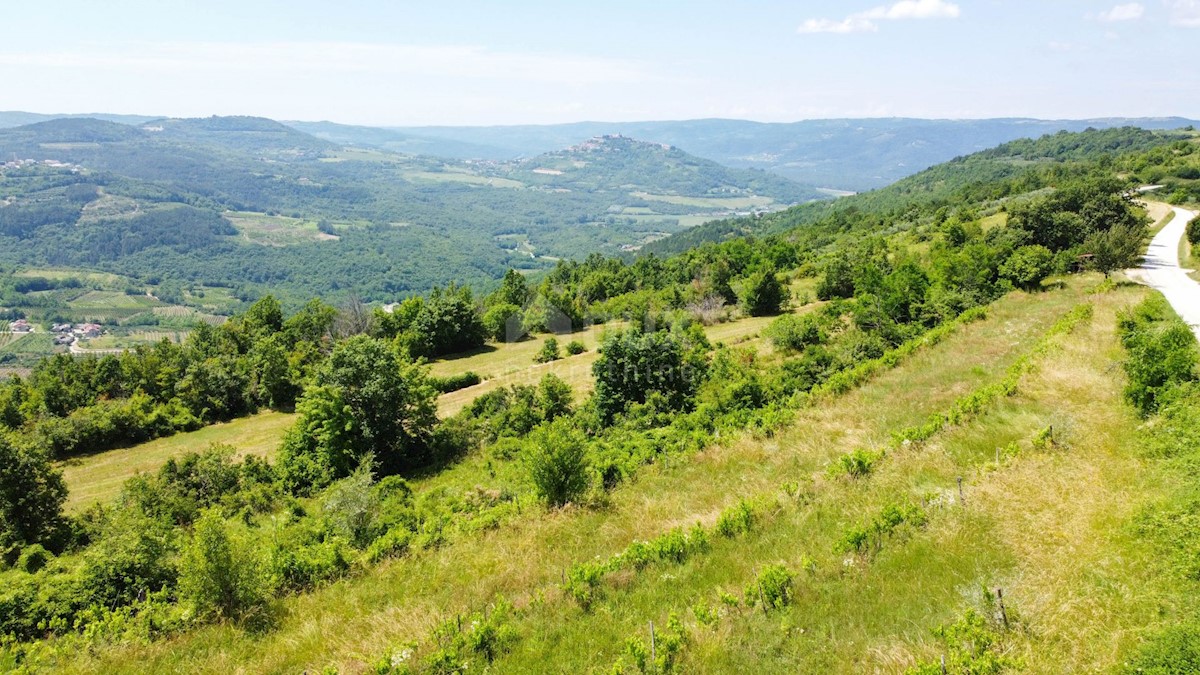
(853, 154)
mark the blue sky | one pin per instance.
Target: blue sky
(414, 63)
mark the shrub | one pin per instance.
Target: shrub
(32, 493)
(503, 323)
(558, 463)
(583, 582)
(445, 385)
(575, 347)
(794, 333)
(1027, 266)
(763, 294)
(132, 556)
(34, 558)
(735, 520)
(634, 366)
(773, 586)
(1193, 231)
(221, 576)
(856, 464)
(548, 352)
(393, 544)
(1174, 650)
(352, 506)
(1161, 354)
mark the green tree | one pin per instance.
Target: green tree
(557, 459)
(763, 294)
(1027, 266)
(1193, 231)
(264, 317)
(514, 290)
(548, 352)
(366, 401)
(502, 322)
(222, 576)
(32, 493)
(1117, 248)
(838, 281)
(450, 322)
(633, 365)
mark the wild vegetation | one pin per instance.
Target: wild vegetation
(863, 488)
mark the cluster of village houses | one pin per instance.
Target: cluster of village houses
(64, 333)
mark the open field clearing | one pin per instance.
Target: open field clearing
(99, 477)
(462, 177)
(267, 230)
(352, 622)
(708, 202)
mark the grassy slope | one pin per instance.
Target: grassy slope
(99, 477)
(355, 621)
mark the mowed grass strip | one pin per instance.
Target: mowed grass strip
(99, 477)
(355, 621)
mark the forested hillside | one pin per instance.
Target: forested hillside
(253, 205)
(956, 426)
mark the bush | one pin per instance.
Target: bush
(34, 558)
(32, 493)
(575, 347)
(735, 520)
(773, 587)
(558, 463)
(763, 294)
(222, 576)
(1161, 354)
(794, 333)
(856, 464)
(445, 385)
(1027, 266)
(1193, 231)
(634, 366)
(1174, 651)
(548, 352)
(503, 323)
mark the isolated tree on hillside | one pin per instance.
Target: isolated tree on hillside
(633, 365)
(557, 459)
(764, 294)
(1115, 249)
(365, 401)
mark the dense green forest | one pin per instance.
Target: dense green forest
(253, 204)
(214, 539)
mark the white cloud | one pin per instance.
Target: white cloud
(847, 25)
(865, 22)
(913, 9)
(1184, 13)
(1127, 12)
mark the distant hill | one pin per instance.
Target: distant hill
(395, 141)
(254, 204)
(16, 118)
(240, 134)
(849, 154)
(621, 163)
(959, 178)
